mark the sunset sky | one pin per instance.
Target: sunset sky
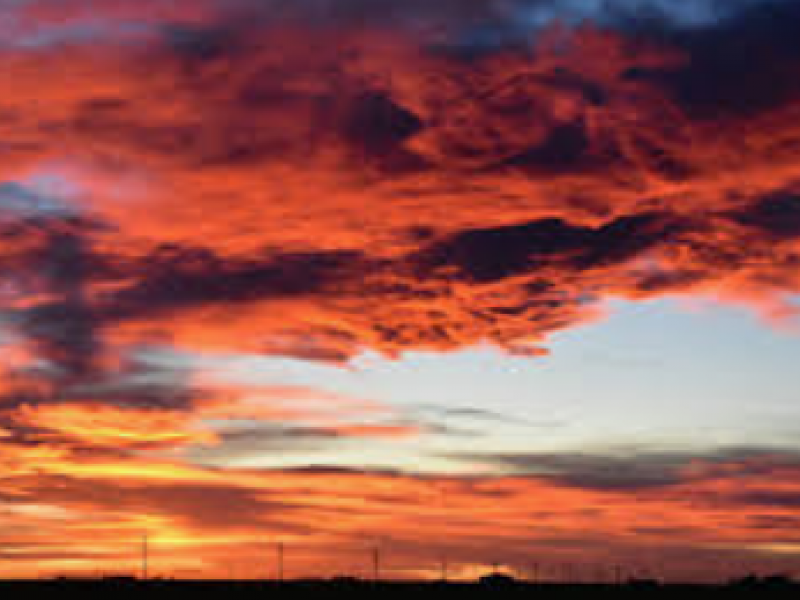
(490, 281)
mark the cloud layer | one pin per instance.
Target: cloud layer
(739, 505)
(377, 193)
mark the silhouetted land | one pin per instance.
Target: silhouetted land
(233, 590)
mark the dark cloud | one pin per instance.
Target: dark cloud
(179, 278)
(471, 413)
(56, 262)
(265, 439)
(776, 522)
(491, 254)
(743, 65)
(640, 470)
(490, 24)
(777, 216)
(771, 498)
(593, 471)
(194, 504)
(379, 129)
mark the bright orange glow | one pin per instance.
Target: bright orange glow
(336, 514)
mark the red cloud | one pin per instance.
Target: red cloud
(362, 193)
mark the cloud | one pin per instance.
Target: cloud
(592, 471)
(500, 206)
(107, 426)
(759, 34)
(252, 443)
(634, 470)
(175, 279)
(776, 216)
(474, 20)
(195, 511)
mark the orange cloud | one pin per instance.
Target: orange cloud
(423, 201)
(200, 519)
(107, 426)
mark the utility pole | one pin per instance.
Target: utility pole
(376, 564)
(145, 551)
(619, 576)
(281, 552)
(534, 573)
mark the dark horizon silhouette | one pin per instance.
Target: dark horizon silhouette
(493, 583)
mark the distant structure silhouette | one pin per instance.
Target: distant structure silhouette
(533, 574)
(497, 579)
(376, 564)
(281, 558)
(769, 582)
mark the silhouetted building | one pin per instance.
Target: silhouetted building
(497, 580)
(771, 582)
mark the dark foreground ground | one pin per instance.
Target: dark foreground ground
(227, 590)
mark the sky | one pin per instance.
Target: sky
(487, 282)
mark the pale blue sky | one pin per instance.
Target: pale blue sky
(654, 376)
